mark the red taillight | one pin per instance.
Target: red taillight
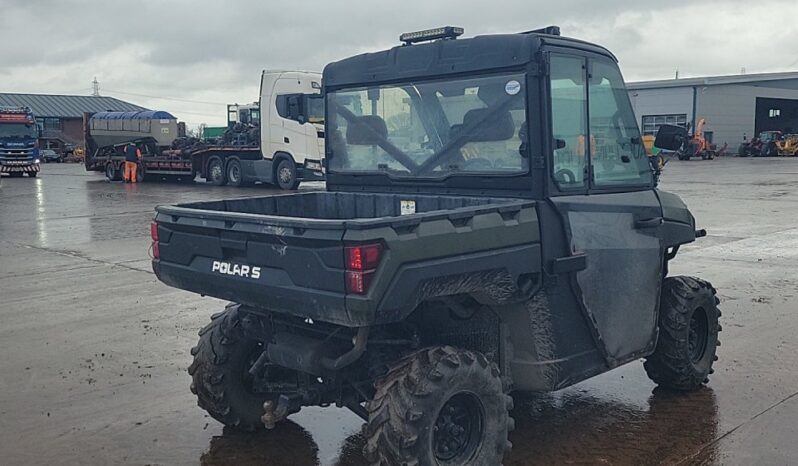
(156, 251)
(361, 263)
(363, 257)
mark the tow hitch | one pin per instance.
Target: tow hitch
(274, 412)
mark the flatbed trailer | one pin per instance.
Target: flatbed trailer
(277, 140)
(185, 164)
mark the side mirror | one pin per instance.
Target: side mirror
(670, 137)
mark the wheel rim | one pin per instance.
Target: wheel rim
(285, 175)
(216, 171)
(699, 335)
(235, 173)
(457, 433)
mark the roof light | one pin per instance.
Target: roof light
(446, 32)
(549, 30)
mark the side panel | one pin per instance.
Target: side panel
(461, 253)
(619, 234)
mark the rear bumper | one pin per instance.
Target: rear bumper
(272, 291)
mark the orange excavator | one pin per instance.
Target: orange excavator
(697, 145)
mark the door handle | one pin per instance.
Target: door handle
(642, 223)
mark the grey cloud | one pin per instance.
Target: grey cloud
(214, 50)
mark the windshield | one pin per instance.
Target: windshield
(431, 129)
(315, 108)
(17, 130)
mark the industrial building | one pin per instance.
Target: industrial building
(60, 117)
(734, 107)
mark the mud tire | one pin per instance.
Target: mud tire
(221, 359)
(408, 400)
(685, 303)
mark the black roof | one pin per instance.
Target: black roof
(449, 56)
(67, 106)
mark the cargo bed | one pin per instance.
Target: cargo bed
(296, 242)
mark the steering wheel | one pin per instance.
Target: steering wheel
(477, 163)
(565, 176)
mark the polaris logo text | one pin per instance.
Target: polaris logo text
(235, 269)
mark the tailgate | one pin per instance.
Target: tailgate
(281, 264)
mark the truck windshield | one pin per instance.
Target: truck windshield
(467, 126)
(315, 108)
(17, 130)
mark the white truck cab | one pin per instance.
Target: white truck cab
(292, 126)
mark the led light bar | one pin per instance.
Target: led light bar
(446, 32)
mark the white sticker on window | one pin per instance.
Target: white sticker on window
(407, 207)
(512, 87)
(164, 130)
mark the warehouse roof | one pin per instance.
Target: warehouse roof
(148, 115)
(768, 79)
(67, 106)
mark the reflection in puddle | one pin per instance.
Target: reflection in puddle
(579, 428)
(288, 444)
(572, 427)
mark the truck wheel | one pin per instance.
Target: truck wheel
(688, 334)
(439, 406)
(234, 177)
(111, 172)
(216, 172)
(33, 174)
(220, 372)
(286, 175)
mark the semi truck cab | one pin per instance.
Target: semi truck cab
(292, 126)
(19, 146)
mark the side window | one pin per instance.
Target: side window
(281, 102)
(569, 120)
(617, 151)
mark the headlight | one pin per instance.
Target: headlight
(310, 165)
(36, 161)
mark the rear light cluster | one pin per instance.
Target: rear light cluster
(156, 250)
(361, 263)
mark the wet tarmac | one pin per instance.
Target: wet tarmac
(95, 349)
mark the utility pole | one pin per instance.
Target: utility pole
(95, 87)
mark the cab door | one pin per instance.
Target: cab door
(603, 188)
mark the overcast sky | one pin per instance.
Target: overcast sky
(192, 57)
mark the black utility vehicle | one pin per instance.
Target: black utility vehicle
(490, 225)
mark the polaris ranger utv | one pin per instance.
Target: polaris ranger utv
(466, 247)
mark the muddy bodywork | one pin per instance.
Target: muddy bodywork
(557, 319)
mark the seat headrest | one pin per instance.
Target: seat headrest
(366, 130)
(498, 127)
